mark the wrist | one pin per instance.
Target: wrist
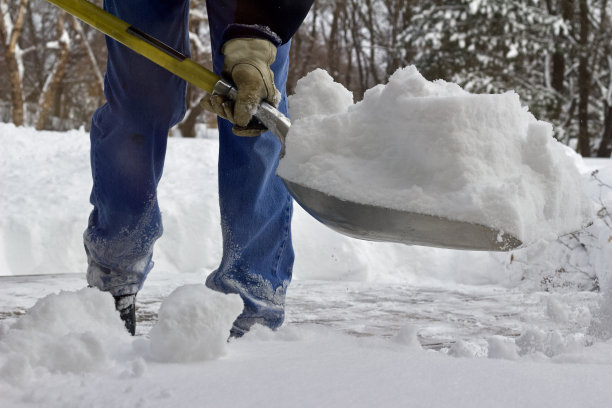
(263, 32)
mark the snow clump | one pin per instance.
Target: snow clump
(318, 94)
(67, 332)
(433, 148)
(501, 347)
(194, 324)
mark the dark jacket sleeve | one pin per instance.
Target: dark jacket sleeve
(274, 20)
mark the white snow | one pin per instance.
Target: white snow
(331, 97)
(8, 21)
(298, 366)
(502, 348)
(69, 332)
(193, 324)
(433, 148)
(389, 325)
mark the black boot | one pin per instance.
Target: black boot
(126, 306)
(236, 332)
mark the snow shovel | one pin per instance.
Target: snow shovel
(350, 218)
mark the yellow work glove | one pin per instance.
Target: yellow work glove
(247, 64)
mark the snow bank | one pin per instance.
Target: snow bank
(44, 184)
(433, 148)
(44, 205)
(194, 324)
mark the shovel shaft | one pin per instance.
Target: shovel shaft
(150, 48)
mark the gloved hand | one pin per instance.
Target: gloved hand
(247, 64)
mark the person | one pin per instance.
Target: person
(250, 45)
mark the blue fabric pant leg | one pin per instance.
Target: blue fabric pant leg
(256, 208)
(128, 145)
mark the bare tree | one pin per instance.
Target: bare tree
(49, 90)
(201, 52)
(605, 147)
(305, 53)
(584, 81)
(95, 69)
(555, 68)
(10, 31)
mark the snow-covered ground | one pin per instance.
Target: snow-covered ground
(367, 323)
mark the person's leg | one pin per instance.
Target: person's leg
(256, 208)
(128, 144)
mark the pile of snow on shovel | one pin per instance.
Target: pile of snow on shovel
(433, 148)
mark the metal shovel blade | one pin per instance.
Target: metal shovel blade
(383, 224)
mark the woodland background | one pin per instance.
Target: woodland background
(557, 54)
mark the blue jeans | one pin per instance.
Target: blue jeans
(128, 146)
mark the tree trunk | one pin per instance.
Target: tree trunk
(584, 83)
(313, 42)
(16, 89)
(371, 27)
(605, 147)
(333, 46)
(357, 41)
(47, 96)
(90, 55)
(9, 35)
(187, 125)
(558, 58)
(348, 77)
(394, 12)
